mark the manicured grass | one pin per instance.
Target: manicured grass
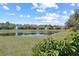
(22, 45)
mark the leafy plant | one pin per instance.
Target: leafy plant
(50, 47)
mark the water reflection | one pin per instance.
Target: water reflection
(28, 33)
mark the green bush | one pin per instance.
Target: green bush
(50, 47)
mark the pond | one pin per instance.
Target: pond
(28, 33)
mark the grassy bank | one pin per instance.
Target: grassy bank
(61, 35)
(9, 31)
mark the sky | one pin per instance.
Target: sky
(37, 13)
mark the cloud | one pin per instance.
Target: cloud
(48, 16)
(50, 5)
(35, 5)
(21, 16)
(5, 7)
(65, 17)
(41, 7)
(72, 11)
(40, 10)
(56, 22)
(25, 16)
(18, 8)
(11, 14)
(73, 4)
(52, 18)
(64, 12)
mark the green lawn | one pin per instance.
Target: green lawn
(12, 45)
(62, 35)
(22, 45)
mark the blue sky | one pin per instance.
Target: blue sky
(36, 13)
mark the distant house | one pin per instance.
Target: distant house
(45, 27)
(58, 27)
(33, 27)
(19, 26)
(49, 27)
(41, 27)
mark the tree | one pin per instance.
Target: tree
(73, 21)
(28, 26)
(7, 25)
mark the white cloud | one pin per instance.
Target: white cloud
(24, 16)
(35, 5)
(18, 8)
(5, 7)
(40, 10)
(21, 16)
(71, 11)
(56, 22)
(52, 18)
(11, 14)
(64, 12)
(73, 4)
(50, 5)
(41, 7)
(65, 17)
(48, 17)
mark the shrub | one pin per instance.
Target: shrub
(50, 47)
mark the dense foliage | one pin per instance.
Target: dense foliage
(73, 21)
(49, 47)
(7, 25)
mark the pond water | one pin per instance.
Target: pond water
(28, 33)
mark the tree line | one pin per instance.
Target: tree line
(9, 25)
(73, 21)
